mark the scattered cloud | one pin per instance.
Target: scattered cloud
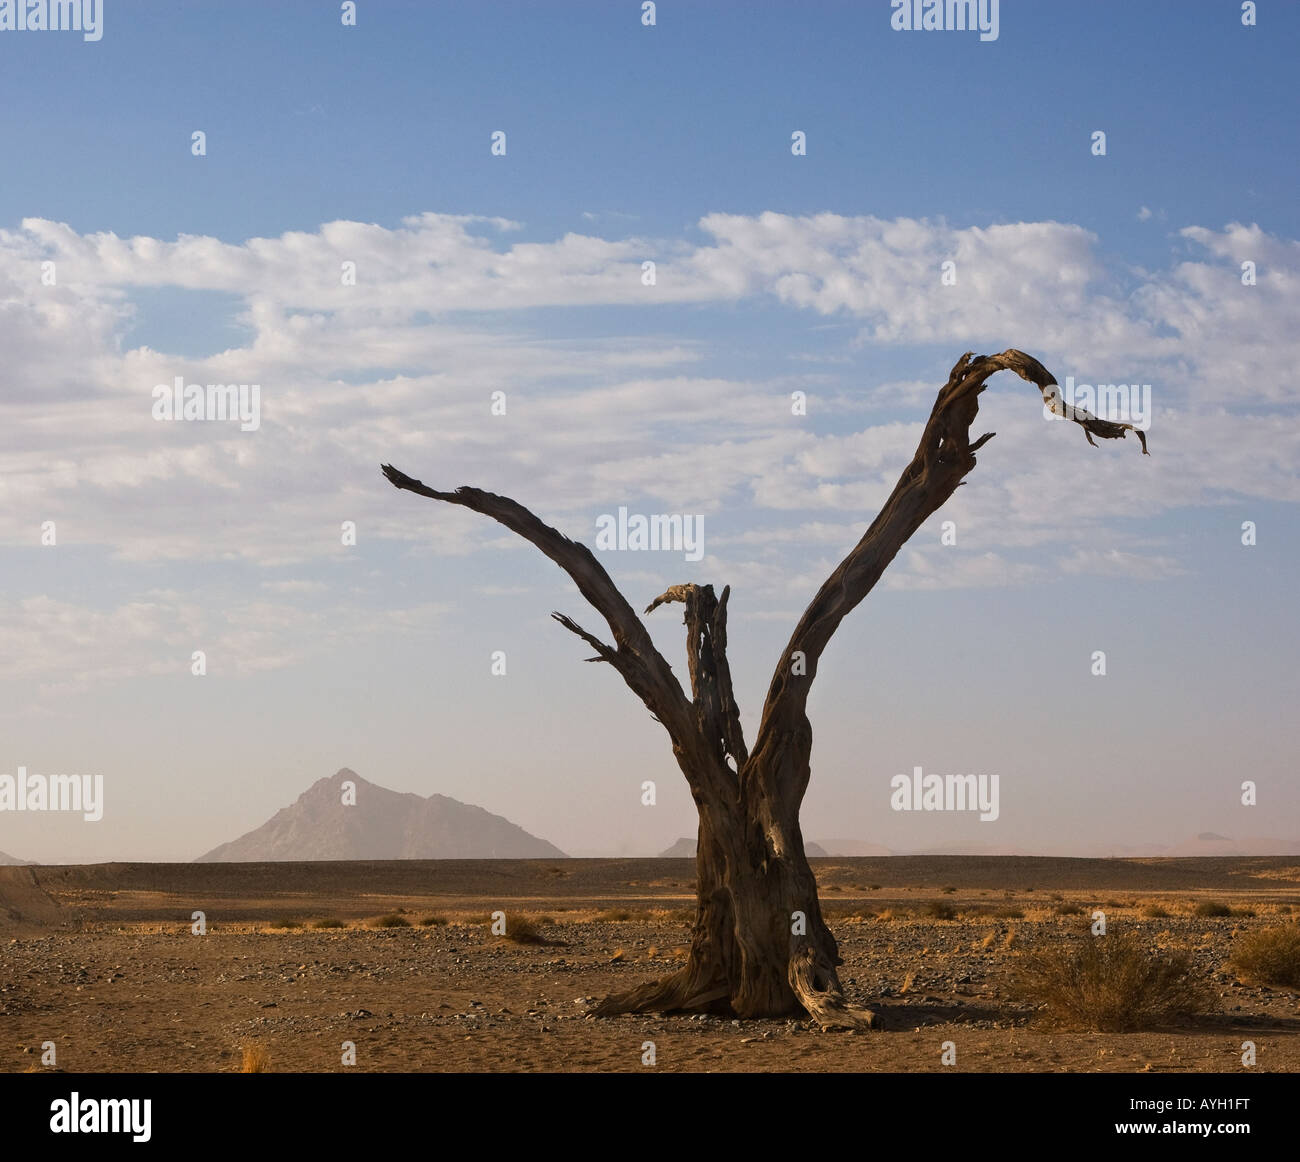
(402, 367)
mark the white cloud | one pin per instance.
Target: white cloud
(395, 369)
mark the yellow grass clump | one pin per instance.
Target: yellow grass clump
(1109, 984)
(255, 1060)
(1268, 956)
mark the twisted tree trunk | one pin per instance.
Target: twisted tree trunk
(760, 947)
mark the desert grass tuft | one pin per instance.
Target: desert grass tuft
(390, 920)
(1109, 984)
(523, 930)
(1268, 956)
(255, 1059)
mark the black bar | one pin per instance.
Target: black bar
(331, 1110)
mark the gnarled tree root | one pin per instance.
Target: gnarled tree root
(822, 997)
(687, 990)
(680, 992)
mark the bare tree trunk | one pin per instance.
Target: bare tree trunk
(760, 947)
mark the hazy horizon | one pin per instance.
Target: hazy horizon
(836, 846)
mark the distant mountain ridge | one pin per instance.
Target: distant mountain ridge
(382, 824)
(11, 861)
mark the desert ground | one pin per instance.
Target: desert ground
(101, 960)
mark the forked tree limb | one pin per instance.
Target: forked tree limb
(760, 946)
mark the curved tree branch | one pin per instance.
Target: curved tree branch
(943, 457)
(634, 655)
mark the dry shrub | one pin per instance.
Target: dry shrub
(433, 922)
(391, 920)
(329, 922)
(1109, 984)
(615, 916)
(523, 930)
(255, 1060)
(939, 910)
(1154, 912)
(1268, 956)
(1211, 908)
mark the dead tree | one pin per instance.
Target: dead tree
(760, 947)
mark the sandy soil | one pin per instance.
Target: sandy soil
(101, 960)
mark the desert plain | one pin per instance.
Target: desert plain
(399, 959)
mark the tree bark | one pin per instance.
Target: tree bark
(760, 947)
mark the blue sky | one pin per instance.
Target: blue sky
(521, 273)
